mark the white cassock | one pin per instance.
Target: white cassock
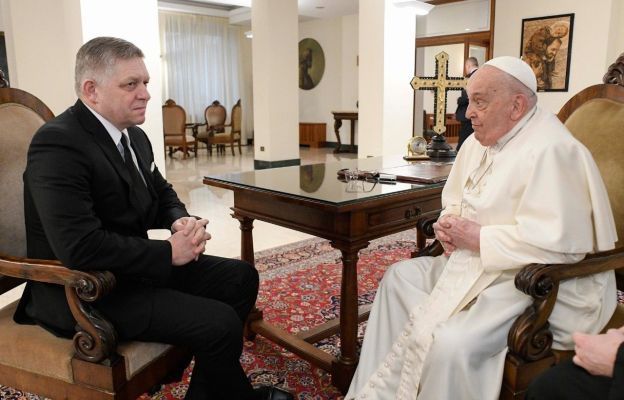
(539, 198)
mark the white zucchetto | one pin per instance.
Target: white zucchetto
(517, 68)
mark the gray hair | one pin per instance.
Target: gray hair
(472, 61)
(98, 57)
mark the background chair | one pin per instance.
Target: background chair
(174, 127)
(215, 115)
(235, 125)
(215, 132)
(595, 116)
(92, 365)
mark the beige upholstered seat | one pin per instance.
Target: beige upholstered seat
(52, 356)
(93, 365)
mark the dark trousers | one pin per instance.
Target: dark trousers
(465, 130)
(204, 308)
(567, 381)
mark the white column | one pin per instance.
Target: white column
(387, 48)
(45, 36)
(275, 85)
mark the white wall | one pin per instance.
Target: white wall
(616, 32)
(337, 90)
(42, 39)
(590, 39)
(350, 66)
(470, 15)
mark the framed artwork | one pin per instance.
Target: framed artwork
(311, 63)
(546, 46)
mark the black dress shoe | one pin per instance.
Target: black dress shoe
(273, 393)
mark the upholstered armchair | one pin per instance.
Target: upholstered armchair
(216, 131)
(595, 116)
(92, 365)
(174, 128)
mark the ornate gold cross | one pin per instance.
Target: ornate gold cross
(440, 84)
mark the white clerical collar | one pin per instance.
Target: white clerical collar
(513, 131)
(114, 133)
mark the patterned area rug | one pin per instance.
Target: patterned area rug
(299, 289)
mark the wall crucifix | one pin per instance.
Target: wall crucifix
(440, 84)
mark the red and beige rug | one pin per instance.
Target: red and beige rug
(299, 289)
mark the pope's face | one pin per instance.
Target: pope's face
(121, 96)
(490, 105)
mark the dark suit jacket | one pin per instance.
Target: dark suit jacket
(462, 104)
(79, 210)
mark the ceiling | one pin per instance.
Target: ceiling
(307, 8)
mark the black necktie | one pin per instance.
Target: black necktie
(138, 184)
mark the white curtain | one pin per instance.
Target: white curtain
(201, 59)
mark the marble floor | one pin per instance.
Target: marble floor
(214, 203)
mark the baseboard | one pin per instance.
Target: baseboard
(260, 164)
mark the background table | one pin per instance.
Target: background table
(338, 117)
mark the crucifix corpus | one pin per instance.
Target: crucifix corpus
(440, 84)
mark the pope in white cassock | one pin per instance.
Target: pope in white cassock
(522, 190)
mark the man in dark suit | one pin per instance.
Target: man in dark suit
(470, 66)
(91, 192)
(595, 372)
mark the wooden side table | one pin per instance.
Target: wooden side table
(338, 117)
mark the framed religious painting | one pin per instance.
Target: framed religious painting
(311, 63)
(546, 45)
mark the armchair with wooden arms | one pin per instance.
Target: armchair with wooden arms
(93, 365)
(595, 116)
(215, 132)
(174, 128)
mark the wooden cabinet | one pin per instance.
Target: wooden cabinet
(312, 134)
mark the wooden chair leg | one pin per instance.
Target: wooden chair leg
(232, 146)
(239, 147)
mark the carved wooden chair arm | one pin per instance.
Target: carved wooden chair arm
(424, 227)
(529, 337)
(96, 338)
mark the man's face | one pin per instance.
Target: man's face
(467, 67)
(121, 96)
(552, 49)
(490, 105)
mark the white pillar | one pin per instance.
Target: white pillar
(275, 84)
(45, 36)
(387, 47)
